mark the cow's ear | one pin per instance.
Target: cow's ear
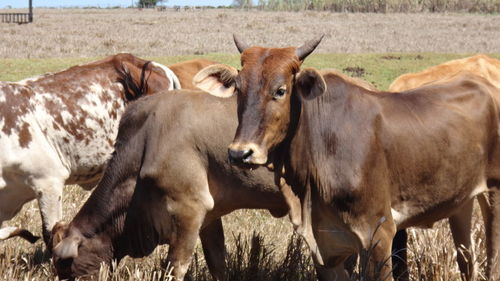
(218, 80)
(68, 247)
(310, 84)
(58, 232)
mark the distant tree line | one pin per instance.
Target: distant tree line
(376, 6)
(149, 3)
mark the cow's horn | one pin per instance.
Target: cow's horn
(303, 51)
(242, 46)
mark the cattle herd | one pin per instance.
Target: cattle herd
(352, 166)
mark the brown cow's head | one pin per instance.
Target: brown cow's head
(267, 88)
(76, 255)
(127, 218)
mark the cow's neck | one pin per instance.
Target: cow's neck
(332, 141)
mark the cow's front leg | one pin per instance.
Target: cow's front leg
(49, 195)
(212, 241)
(460, 226)
(379, 253)
(188, 219)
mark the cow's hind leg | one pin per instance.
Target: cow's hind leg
(12, 199)
(492, 229)
(399, 256)
(460, 226)
(212, 241)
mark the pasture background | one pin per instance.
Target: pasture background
(375, 47)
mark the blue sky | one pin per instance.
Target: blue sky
(104, 3)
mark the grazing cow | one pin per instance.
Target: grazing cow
(363, 163)
(461, 221)
(59, 129)
(168, 179)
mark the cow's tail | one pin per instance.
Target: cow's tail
(11, 232)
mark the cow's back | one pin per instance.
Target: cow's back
(481, 65)
(186, 70)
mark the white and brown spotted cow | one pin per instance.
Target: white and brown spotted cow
(59, 129)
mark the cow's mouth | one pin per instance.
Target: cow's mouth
(247, 166)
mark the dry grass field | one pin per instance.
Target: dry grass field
(60, 38)
(88, 33)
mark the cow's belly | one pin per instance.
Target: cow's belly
(86, 149)
(25, 154)
(48, 152)
(88, 163)
(415, 213)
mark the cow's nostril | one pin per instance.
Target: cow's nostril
(247, 153)
(239, 156)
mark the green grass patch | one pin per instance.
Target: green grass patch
(379, 69)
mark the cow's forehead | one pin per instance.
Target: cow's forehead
(268, 63)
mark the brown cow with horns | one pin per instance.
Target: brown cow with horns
(363, 163)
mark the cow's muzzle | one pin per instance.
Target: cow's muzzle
(246, 154)
(239, 156)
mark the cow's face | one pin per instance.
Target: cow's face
(265, 90)
(75, 255)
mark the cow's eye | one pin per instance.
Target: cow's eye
(279, 93)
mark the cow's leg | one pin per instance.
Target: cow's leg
(300, 216)
(492, 229)
(212, 240)
(485, 206)
(188, 202)
(380, 264)
(187, 226)
(460, 226)
(399, 256)
(12, 199)
(49, 195)
(294, 205)
(336, 273)
(304, 229)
